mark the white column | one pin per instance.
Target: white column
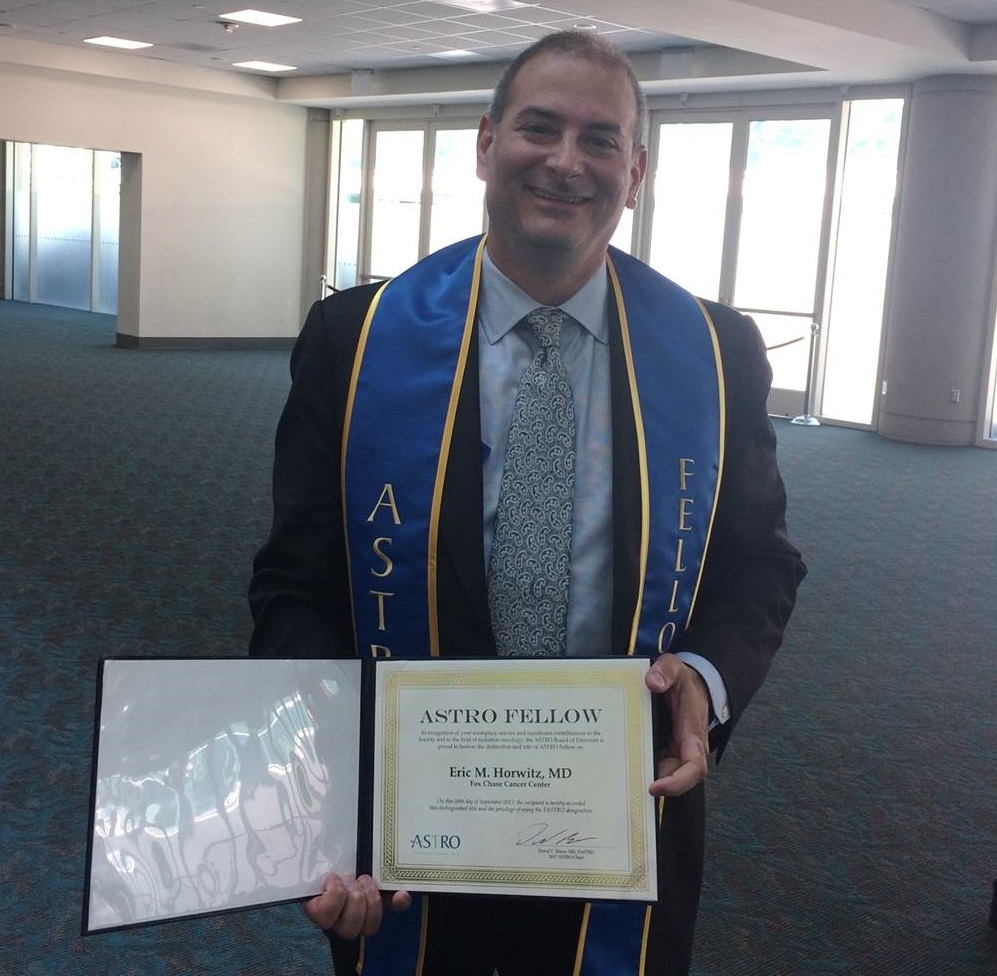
(943, 271)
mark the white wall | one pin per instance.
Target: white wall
(223, 199)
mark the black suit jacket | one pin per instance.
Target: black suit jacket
(302, 608)
(299, 592)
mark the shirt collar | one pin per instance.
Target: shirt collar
(502, 303)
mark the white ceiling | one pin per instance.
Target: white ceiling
(350, 51)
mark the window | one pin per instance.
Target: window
(65, 219)
(420, 193)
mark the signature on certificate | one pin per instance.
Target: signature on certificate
(545, 835)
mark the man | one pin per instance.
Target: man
(677, 547)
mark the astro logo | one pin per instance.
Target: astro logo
(435, 842)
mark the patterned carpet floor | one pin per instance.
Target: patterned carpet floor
(853, 821)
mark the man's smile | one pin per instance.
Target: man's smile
(554, 196)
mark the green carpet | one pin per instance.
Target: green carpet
(853, 821)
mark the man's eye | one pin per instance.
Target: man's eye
(537, 129)
(602, 144)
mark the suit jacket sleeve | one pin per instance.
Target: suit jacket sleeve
(299, 592)
(752, 571)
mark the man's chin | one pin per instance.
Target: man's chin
(554, 238)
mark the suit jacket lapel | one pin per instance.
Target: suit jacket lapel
(465, 625)
(626, 493)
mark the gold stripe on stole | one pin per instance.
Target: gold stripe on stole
(645, 938)
(441, 467)
(423, 932)
(347, 422)
(582, 933)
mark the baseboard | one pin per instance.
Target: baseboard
(202, 342)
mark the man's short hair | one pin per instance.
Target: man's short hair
(585, 46)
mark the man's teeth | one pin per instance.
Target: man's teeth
(560, 198)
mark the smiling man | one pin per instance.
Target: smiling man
(572, 457)
(561, 154)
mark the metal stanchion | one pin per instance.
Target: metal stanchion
(322, 293)
(807, 419)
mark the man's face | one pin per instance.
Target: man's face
(561, 165)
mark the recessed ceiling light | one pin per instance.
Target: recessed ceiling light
(485, 6)
(455, 55)
(264, 66)
(260, 17)
(116, 42)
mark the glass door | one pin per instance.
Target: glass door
(396, 201)
(741, 214)
(781, 246)
(62, 182)
(65, 212)
(423, 193)
(690, 188)
(863, 231)
(458, 196)
(342, 250)
(763, 211)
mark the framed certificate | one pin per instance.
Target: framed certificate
(515, 776)
(220, 784)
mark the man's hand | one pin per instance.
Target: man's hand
(685, 763)
(353, 906)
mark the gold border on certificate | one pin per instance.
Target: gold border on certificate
(595, 723)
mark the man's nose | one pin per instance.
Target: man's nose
(566, 158)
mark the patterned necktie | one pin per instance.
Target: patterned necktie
(530, 560)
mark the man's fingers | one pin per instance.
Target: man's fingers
(679, 774)
(661, 675)
(349, 907)
(364, 909)
(686, 763)
(325, 908)
(399, 901)
(676, 777)
(667, 766)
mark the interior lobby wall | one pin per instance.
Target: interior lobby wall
(221, 230)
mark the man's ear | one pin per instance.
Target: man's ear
(486, 136)
(637, 172)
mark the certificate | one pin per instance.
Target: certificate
(515, 776)
(223, 784)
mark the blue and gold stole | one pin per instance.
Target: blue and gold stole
(410, 363)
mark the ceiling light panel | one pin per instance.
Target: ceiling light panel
(260, 18)
(264, 66)
(484, 6)
(119, 42)
(454, 55)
